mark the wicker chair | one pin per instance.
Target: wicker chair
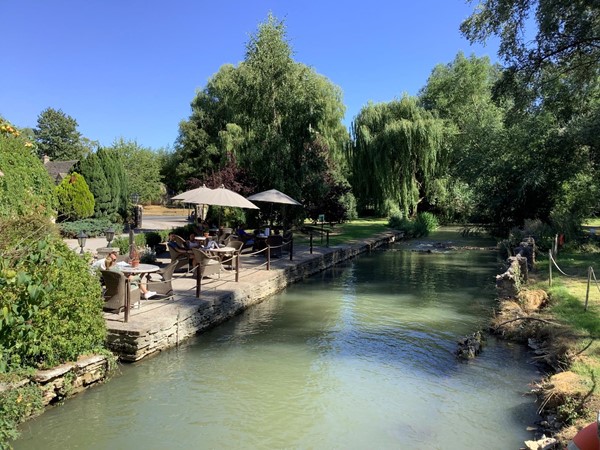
(162, 286)
(230, 258)
(208, 265)
(114, 296)
(182, 259)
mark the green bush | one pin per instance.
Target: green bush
(424, 224)
(153, 238)
(421, 226)
(50, 303)
(25, 186)
(75, 201)
(91, 227)
(16, 405)
(122, 243)
(399, 222)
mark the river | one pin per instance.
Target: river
(357, 357)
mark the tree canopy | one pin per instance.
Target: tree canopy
(396, 154)
(262, 113)
(57, 136)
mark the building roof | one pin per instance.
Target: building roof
(59, 169)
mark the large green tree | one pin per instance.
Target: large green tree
(567, 35)
(92, 171)
(396, 156)
(461, 93)
(142, 169)
(262, 113)
(57, 136)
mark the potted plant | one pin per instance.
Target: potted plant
(134, 255)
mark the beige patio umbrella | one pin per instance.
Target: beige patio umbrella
(193, 195)
(196, 196)
(225, 197)
(274, 196)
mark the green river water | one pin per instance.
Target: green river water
(357, 357)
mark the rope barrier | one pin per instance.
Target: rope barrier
(556, 265)
(595, 280)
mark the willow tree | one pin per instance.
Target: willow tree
(395, 156)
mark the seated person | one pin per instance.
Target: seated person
(181, 251)
(246, 238)
(172, 242)
(136, 280)
(192, 242)
(100, 264)
(209, 245)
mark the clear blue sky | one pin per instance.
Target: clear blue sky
(130, 68)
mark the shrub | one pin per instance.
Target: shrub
(75, 201)
(399, 222)
(50, 304)
(91, 227)
(424, 224)
(16, 405)
(25, 186)
(153, 238)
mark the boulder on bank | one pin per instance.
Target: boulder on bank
(470, 346)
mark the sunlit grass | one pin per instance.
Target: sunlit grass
(345, 233)
(568, 295)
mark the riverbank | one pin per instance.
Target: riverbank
(562, 333)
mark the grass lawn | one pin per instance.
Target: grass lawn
(355, 230)
(567, 305)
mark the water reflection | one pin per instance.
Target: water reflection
(360, 356)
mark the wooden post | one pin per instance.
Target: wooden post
(268, 257)
(327, 243)
(198, 281)
(311, 242)
(587, 291)
(127, 298)
(291, 244)
(237, 266)
(550, 267)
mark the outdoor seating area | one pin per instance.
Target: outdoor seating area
(184, 270)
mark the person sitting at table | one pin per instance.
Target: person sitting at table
(246, 238)
(172, 243)
(135, 280)
(100, 264)
(209, 245)
(191, 242)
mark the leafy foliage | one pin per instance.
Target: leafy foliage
(567, 35)
(75, 201)
(91, 227)
(92, 171)
(421, 226)
(142, 168)
(17, 405)
(50, 304)
(395, 156)
(57, 136)
(263, 114)
(25, 185)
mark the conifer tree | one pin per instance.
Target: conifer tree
(75, 201)
(92, 171)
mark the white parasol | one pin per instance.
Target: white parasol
(274, 196)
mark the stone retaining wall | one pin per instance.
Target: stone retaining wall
(67, 379)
